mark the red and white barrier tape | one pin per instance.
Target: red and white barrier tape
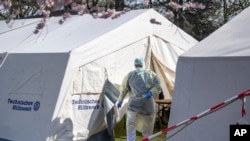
(243, 110)
(210, 110)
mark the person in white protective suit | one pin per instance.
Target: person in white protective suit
(141, 85)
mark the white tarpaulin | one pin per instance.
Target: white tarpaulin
(51, 83)
(211, 72)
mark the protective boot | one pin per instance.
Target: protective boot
(131, 136)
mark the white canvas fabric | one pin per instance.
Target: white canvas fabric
(214, 70)
(52, 82)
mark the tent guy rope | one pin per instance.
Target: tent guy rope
(204, 113)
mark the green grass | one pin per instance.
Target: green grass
(120, 132)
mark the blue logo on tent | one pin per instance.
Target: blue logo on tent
(36, 106)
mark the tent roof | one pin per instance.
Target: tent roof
(81, 30)
(232, 39)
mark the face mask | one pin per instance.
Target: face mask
(139, 69)
(140, 72)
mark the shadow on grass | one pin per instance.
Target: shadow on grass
(120, 132)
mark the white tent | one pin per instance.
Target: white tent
(214, 70)
(51, 82)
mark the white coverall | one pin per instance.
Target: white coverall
(137, 83)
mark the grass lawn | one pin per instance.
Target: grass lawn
(120, 132)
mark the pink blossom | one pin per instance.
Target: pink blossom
(16, 11)
(116, 15)
(6, 4)
(126, 9)
(169, 15)
(194, 5)
(175, 5)
(66, 15)
(146, 2)
(120, 13)
(50, 3)
(201, 6)
(40, 2)
(107, 14)
(45, 13)
(81, 9)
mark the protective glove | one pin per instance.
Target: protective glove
(148, 95)
(119, 104)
